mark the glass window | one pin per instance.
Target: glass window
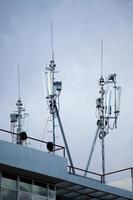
(25, 195)
(51, 192)
(9, 181)
(40, 188)
(14, 188)
(38, 197)
(25, 185)
(8, 194)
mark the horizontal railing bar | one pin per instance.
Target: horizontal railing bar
(100, 175)
(35, 139)
(94, 173)
(121, 170)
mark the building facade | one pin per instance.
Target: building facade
(30, 174)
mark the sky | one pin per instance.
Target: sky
(78, 26)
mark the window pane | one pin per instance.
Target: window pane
(51, 192)
(40, 188)
(25, 196)
(10, 183)
(8, 194)
(25, 185)
(38, 197)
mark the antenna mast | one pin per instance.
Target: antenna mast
(52, 42)
(19, 81)
(19, 108)
(101, 58)
(53, 92)
(52, 66)
(102, 92)
(107, 119)
(18, 116)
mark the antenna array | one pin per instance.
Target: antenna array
(107, 109)
(53, 92)
(18, 117)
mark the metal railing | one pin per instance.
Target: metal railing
(56, 147)
(79, 171)
(99, 177)
(129, 170)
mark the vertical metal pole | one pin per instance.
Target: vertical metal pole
(53, 111)
(19, 104)
(64, 138)
(19, 119)
(53, 128)
(92, 149)
(103, 157)
(102, 114)
(19, 128)
(102, 129)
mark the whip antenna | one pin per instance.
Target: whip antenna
(52, 46)
(19, 84)
(101, 58)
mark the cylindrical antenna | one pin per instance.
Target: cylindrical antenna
(108, 112)
(101, 58)
(118, 100)
(19, 81)
(52, 48)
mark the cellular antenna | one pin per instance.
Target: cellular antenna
(107, 112)
(101, 58)
(52, 41)
(53, 93)
(18, 117)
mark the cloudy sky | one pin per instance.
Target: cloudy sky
(79, 26)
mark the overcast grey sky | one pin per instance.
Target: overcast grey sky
(79, 26)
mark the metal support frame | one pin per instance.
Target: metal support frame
(102, 125)
(53, 127)
(104, 117)
(92, 149)
(64, 138)
(19, 124)
(53, 93)
(103, 158)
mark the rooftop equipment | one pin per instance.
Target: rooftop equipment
(53, 92)
(18, 117)
(107, 109)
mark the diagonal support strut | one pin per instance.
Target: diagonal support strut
(64, 138)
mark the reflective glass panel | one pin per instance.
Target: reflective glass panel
(9, 181)
(25, 195)
(8, 194)
(25, 185)
(40, 188)
(51, 192)
(38, 197)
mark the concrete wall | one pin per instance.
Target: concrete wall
(29, 159)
